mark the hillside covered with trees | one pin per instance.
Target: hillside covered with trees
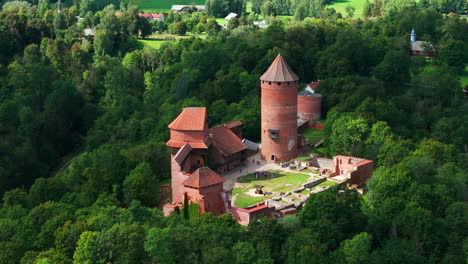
(83, 121)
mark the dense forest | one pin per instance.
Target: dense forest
(83, 121)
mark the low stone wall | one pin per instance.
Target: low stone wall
(325, 163)
(313, 183)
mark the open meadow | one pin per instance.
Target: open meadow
(162, 5)
(340, 6)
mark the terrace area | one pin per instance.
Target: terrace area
(280, 185)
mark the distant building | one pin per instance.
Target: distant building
(185, 8)
(89, 32)
(419, 47)
(154, 16)
(150, 17)
(230, 16)
(261, 24)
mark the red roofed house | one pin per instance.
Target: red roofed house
(356, 170)
(192, 145)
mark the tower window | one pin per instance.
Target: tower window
(269, 83)
(273, 133)
(279, 83)
(287, 83)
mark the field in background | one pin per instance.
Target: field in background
(149, 6)
(152, 43)
(340, 6)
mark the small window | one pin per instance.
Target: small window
(287, 83)
(273, 133)
(269, 83)
(341, 161)
(279, 83)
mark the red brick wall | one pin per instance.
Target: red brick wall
(188, 136)
(279, 111)
(193, 162)
(356, 173)
(316, 125)
(176, 182)
(245, 216)
(363, 173)
(309, 108)
(209, 198)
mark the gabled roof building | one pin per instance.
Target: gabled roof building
(420, 47)
(193, 146)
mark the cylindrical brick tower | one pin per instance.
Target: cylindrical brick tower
(279, 112)
(309, 105)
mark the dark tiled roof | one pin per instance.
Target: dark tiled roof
(203, 177)
(279, 71)
(225, 140)
(191, 119)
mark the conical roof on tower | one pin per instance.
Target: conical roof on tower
(279, 71)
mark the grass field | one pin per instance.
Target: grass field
(313, 135)
(152, 43)
(243, 200)
(325, 183)
(340, 6)
(221, 21)
(161, 5)
(274, 182)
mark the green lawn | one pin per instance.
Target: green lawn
(152, 43)
(243, 200)
(340, 6)
(326, 183)
(271, 184)
(162, 5)
(278, 182)
(248, 7)
(313, 135)
(221, 21)
(303, 158)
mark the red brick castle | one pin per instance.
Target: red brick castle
(199, 153)
(193, 146)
